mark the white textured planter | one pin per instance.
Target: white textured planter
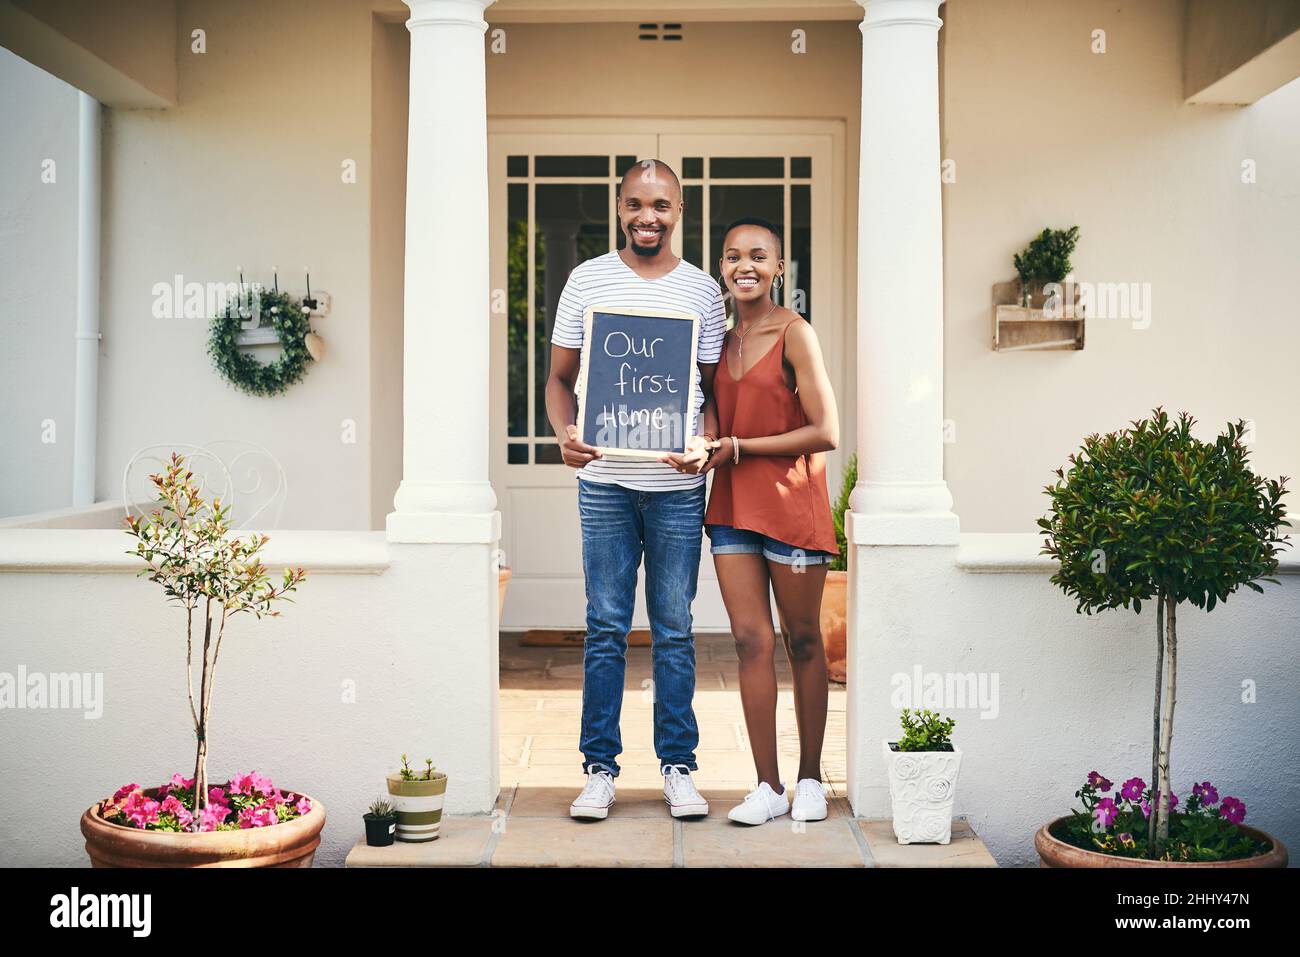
(922, 785)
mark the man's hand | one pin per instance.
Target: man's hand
(576, 453)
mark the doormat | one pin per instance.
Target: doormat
(638, 637)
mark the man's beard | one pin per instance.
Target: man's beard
(646, 251)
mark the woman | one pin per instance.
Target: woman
(769, 517)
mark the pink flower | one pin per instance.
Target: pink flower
(140, 810)
(171, 805)
(1132, 789)
(1206, 792)
(211, 816)
(1098, 781)
(185, 784)
(1105, 812)
(260, 783)
(217, 796)
(304, 805)
(261, 816)
(1232, 810)
(123, 791)
(241, 783)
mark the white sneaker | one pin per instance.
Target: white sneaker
(809, 801)
(596, 798)
(680, 793)
(760, 806)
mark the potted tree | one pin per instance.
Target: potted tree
(245, 821)
(1152, 514)
(922, 766)
(417, 797)
(381, 823)
(834, 614)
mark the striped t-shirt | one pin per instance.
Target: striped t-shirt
(606, 281)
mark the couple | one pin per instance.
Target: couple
(764, 411)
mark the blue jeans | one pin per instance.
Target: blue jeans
(726, 540)
(618, 525)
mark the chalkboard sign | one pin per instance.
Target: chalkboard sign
(636, 388)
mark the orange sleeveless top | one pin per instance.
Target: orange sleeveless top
(783, 496)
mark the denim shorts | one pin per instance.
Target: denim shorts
(726, 540)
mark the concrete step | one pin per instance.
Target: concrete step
(531, 827)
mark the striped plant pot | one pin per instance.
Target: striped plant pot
(418, 805)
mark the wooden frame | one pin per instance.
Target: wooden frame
(585, 366)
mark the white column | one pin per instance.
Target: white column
(901, 497)
(445, 494)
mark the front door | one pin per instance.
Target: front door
(552, 199)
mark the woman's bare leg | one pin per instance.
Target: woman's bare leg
(798, 592)
(744, 583)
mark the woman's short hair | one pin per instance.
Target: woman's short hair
(755, 221)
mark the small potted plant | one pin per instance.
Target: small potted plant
(417, 798)
(1045, 260)
(381, 823)
(834, 615)
(1154, 515)
(192, 822)
(922, 767)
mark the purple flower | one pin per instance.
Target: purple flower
(1206, 792)
(1125, 838)
(1105, 812)
(1232, 810)
(1132, 789)
(1096, 780)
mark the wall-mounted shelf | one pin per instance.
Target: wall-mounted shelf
(1018, 328)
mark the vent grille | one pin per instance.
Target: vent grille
(659, 31)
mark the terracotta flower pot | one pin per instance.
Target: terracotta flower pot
(503, 576)
(1053, 852)
(419, 806)
(835, 624)
(291, 843)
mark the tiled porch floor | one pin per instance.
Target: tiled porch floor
(541, 772)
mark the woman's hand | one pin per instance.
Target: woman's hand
(694, 461)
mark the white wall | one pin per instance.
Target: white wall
(246, 170)
(38, 287)
(1046, 133)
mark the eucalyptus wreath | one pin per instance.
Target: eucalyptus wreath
(243, 371)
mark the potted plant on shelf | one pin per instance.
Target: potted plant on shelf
(381, 823)
(1153, 514)
(417, 798)
(922, 767)
(1045, 260)
(834, 614)
(191, 822)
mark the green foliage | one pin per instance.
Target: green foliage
(924, 731)
(243, 371)
(381, 808)
(1047, 257)
(409, 775)
(841, 561)
(1152, 511)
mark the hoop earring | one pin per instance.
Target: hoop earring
(778, 282)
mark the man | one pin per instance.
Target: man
(630, 507)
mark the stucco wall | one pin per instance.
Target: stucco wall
(38, 287)
(1046, 133)
(246, 170)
